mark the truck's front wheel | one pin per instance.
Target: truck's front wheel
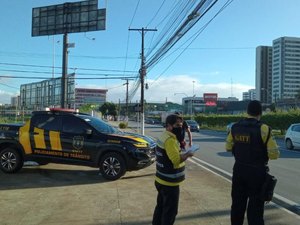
(10, 160)
(112, 166)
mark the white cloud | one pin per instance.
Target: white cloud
(165, 88)
(5, 97)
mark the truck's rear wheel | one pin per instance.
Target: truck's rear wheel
(10, 160)
(112, 166)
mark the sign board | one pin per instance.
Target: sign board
(68, 18)
(210, 99)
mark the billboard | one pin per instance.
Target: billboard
(210, 99)
(68, 18)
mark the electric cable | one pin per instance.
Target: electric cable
(194, 37)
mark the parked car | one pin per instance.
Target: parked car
(194, 126)
(292, 136)
(228, 127)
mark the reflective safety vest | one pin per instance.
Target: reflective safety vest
(249, 148)
(165, 169)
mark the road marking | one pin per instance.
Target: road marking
(279, 197)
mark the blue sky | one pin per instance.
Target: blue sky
(221, 60)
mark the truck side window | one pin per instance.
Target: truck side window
(47, 122)
(74, 125)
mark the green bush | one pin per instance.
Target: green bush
(123, 125)
(279, 120)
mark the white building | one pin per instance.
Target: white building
(286, 68)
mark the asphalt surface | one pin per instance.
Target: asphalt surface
(63, 194)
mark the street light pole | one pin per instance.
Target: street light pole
(189, 105)
(193, 87)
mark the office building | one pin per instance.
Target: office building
(46, 93)
(89, 96)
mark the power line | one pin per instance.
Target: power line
(58, 67)
(9, 86)
(194, 37)
(198, 12)
(137, 5)
(156, 12)
(77, 78)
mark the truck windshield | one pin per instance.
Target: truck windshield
(99, 124)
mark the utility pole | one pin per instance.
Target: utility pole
(143, 73)
(126, 114)
(127, 83)
(64, 84)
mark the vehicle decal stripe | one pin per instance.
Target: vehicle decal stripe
(47, 139)
(55, 140)
(132, 137)
(39, 138)
(24, 138)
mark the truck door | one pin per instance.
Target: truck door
(45, 135)
(77, 142)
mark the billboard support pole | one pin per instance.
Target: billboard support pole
(64, 84)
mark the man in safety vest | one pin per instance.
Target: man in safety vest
(252, 145)
(169, 173)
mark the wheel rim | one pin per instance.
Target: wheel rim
(8, 161)
(111, 166)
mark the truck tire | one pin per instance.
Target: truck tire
(112, 166)
(10, 160)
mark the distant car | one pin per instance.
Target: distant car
(292, 136)
(228, 127)
(149, 121)
(156, 121)
(152, 121)
(194, 126)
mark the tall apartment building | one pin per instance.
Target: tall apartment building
(263, 74)
(249, 95)
(278, 70)
(286, 68)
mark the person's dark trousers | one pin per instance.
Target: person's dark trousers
(167, 204)
(246, 185)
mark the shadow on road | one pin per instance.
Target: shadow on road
(37, 177)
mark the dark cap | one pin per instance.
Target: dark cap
(254, 108)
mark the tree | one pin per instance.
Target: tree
(87, 108)
(108, 108)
